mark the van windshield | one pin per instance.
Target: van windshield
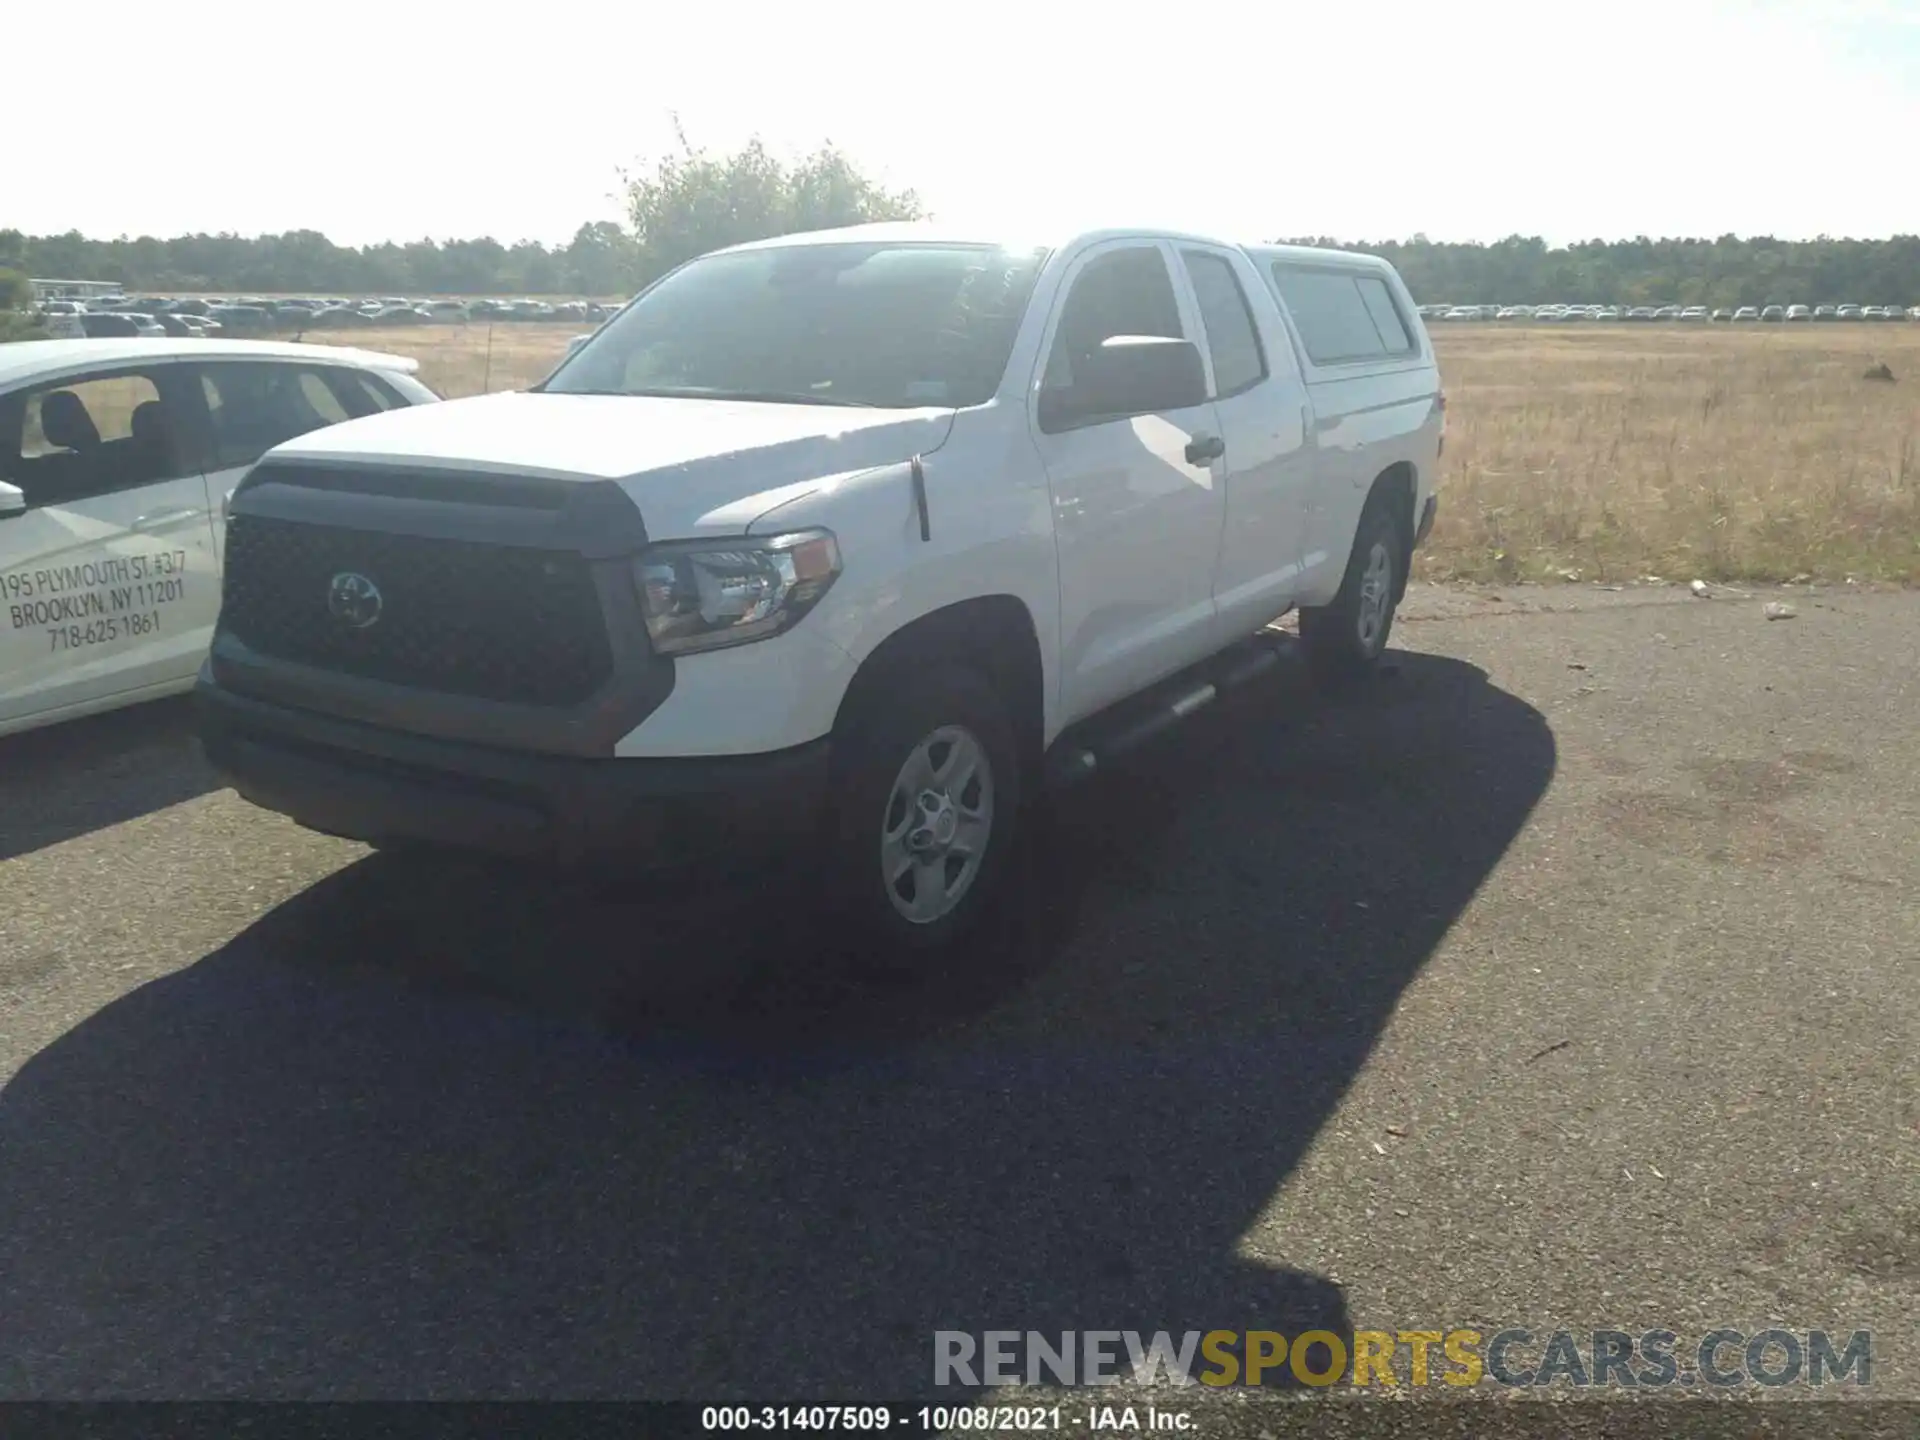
(895, 325)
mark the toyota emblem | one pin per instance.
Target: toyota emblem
(353, 600)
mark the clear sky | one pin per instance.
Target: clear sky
(1463, 119)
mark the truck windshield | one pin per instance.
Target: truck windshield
(874, 324)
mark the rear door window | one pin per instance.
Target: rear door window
(360, 393)
(1238, 361)
(253, 407)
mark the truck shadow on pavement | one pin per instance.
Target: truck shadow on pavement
(328, 1161)
(127, 763)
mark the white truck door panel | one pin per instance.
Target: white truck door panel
(108, 581)
(1262, 405)
(1136, 524)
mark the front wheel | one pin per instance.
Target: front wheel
(1344, 639)
(926, 806)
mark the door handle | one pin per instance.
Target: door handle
(1205, 449)
(159, 519)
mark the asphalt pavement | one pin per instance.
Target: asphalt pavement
(1566, 975)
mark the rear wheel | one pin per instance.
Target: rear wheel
(927, 802)
(1345, 638)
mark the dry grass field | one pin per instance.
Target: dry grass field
(461, 360)
(1756, 453)
(1589, 453)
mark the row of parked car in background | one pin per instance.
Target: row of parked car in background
(186, 316)
(1685, 314)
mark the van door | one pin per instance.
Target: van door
(1261, 400)
(108, 580)
(1136, 523)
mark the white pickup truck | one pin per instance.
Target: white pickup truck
(848, 541)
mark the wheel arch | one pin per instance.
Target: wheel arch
(994, 634)
(1397, 488)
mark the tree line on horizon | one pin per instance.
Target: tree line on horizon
(693, 201)
(1725, 272)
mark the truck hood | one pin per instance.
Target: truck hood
(694, 467)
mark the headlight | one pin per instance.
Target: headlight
(709, 594)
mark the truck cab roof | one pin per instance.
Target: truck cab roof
(939, 233)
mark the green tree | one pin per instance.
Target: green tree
(533, 269)
(693, 201)
(1725, 271)
(601, 260)
(17, 322)
(472, 267)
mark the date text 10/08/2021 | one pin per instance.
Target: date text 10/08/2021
(943, 1417)
(98, 602)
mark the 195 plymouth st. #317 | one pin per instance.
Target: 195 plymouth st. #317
(115, 459)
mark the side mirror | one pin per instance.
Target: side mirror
(575, 343)
(1129, 375)
(13, 500)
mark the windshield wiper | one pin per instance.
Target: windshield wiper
(779, 397)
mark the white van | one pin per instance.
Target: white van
(115, 457)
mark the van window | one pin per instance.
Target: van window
(1336, 323)
(1386, 315)
(91, 435)
(256, 406)
(360, 393)
(315, 392)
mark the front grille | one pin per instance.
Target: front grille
(496, 622)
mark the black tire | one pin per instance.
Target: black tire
(1345, 639)
(889, 722)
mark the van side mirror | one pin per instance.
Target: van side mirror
(1128, 375)
(13, 500)
(573, 345)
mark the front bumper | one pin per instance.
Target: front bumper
(378, 785)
